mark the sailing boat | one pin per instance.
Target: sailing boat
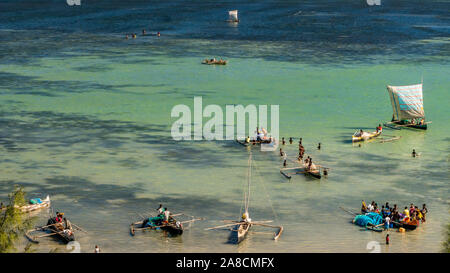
(233, 16)
(407, 105)
(241, 228)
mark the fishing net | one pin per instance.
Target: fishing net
(369, 218)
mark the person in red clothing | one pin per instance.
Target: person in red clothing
(379, 128)
(59, 217)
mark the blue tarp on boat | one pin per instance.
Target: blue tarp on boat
(369, 218)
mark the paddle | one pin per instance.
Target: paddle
(79, 228)
(222, 226)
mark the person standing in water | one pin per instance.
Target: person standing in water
(414, 154)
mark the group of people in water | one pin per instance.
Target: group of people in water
(144, 33)
(307, 162)
(394, 214)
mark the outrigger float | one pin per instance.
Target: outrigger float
(64, 231)
(407, 106)
(240, 229)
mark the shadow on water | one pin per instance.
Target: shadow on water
(13, 83)
(354, 32)
(75, 193)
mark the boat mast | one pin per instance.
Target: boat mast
(249, 174)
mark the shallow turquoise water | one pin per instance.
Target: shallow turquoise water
(86, 119)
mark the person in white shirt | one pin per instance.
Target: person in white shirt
(160, 209)
(166, 214)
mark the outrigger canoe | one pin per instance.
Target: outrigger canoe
(218, 62)
(407, 107)
(400, 124)
(314, 171)
(38, 204)
(63, 230)
(412, 225)
(173, 226)
(365, 136)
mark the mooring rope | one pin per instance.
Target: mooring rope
(267, 194)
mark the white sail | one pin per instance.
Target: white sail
(233, 15)
(407, 101)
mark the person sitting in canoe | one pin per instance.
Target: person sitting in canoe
(363, 207)
(166, 214)
(246, 218)
(160, 209)
(264, 133)
(59, 217)
(379, 128)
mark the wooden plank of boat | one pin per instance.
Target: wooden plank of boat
(285, 174)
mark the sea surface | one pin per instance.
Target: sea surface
(85, 118)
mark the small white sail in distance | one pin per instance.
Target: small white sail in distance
(233, 15)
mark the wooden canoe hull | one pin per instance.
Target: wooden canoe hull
(372, 135)
(406, 226)
(65, 237)
(33, 207)
(239, 233)
(171, 227)
(398, 125)
(215, 63)
(253, 142)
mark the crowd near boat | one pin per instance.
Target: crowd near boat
(375, 218)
